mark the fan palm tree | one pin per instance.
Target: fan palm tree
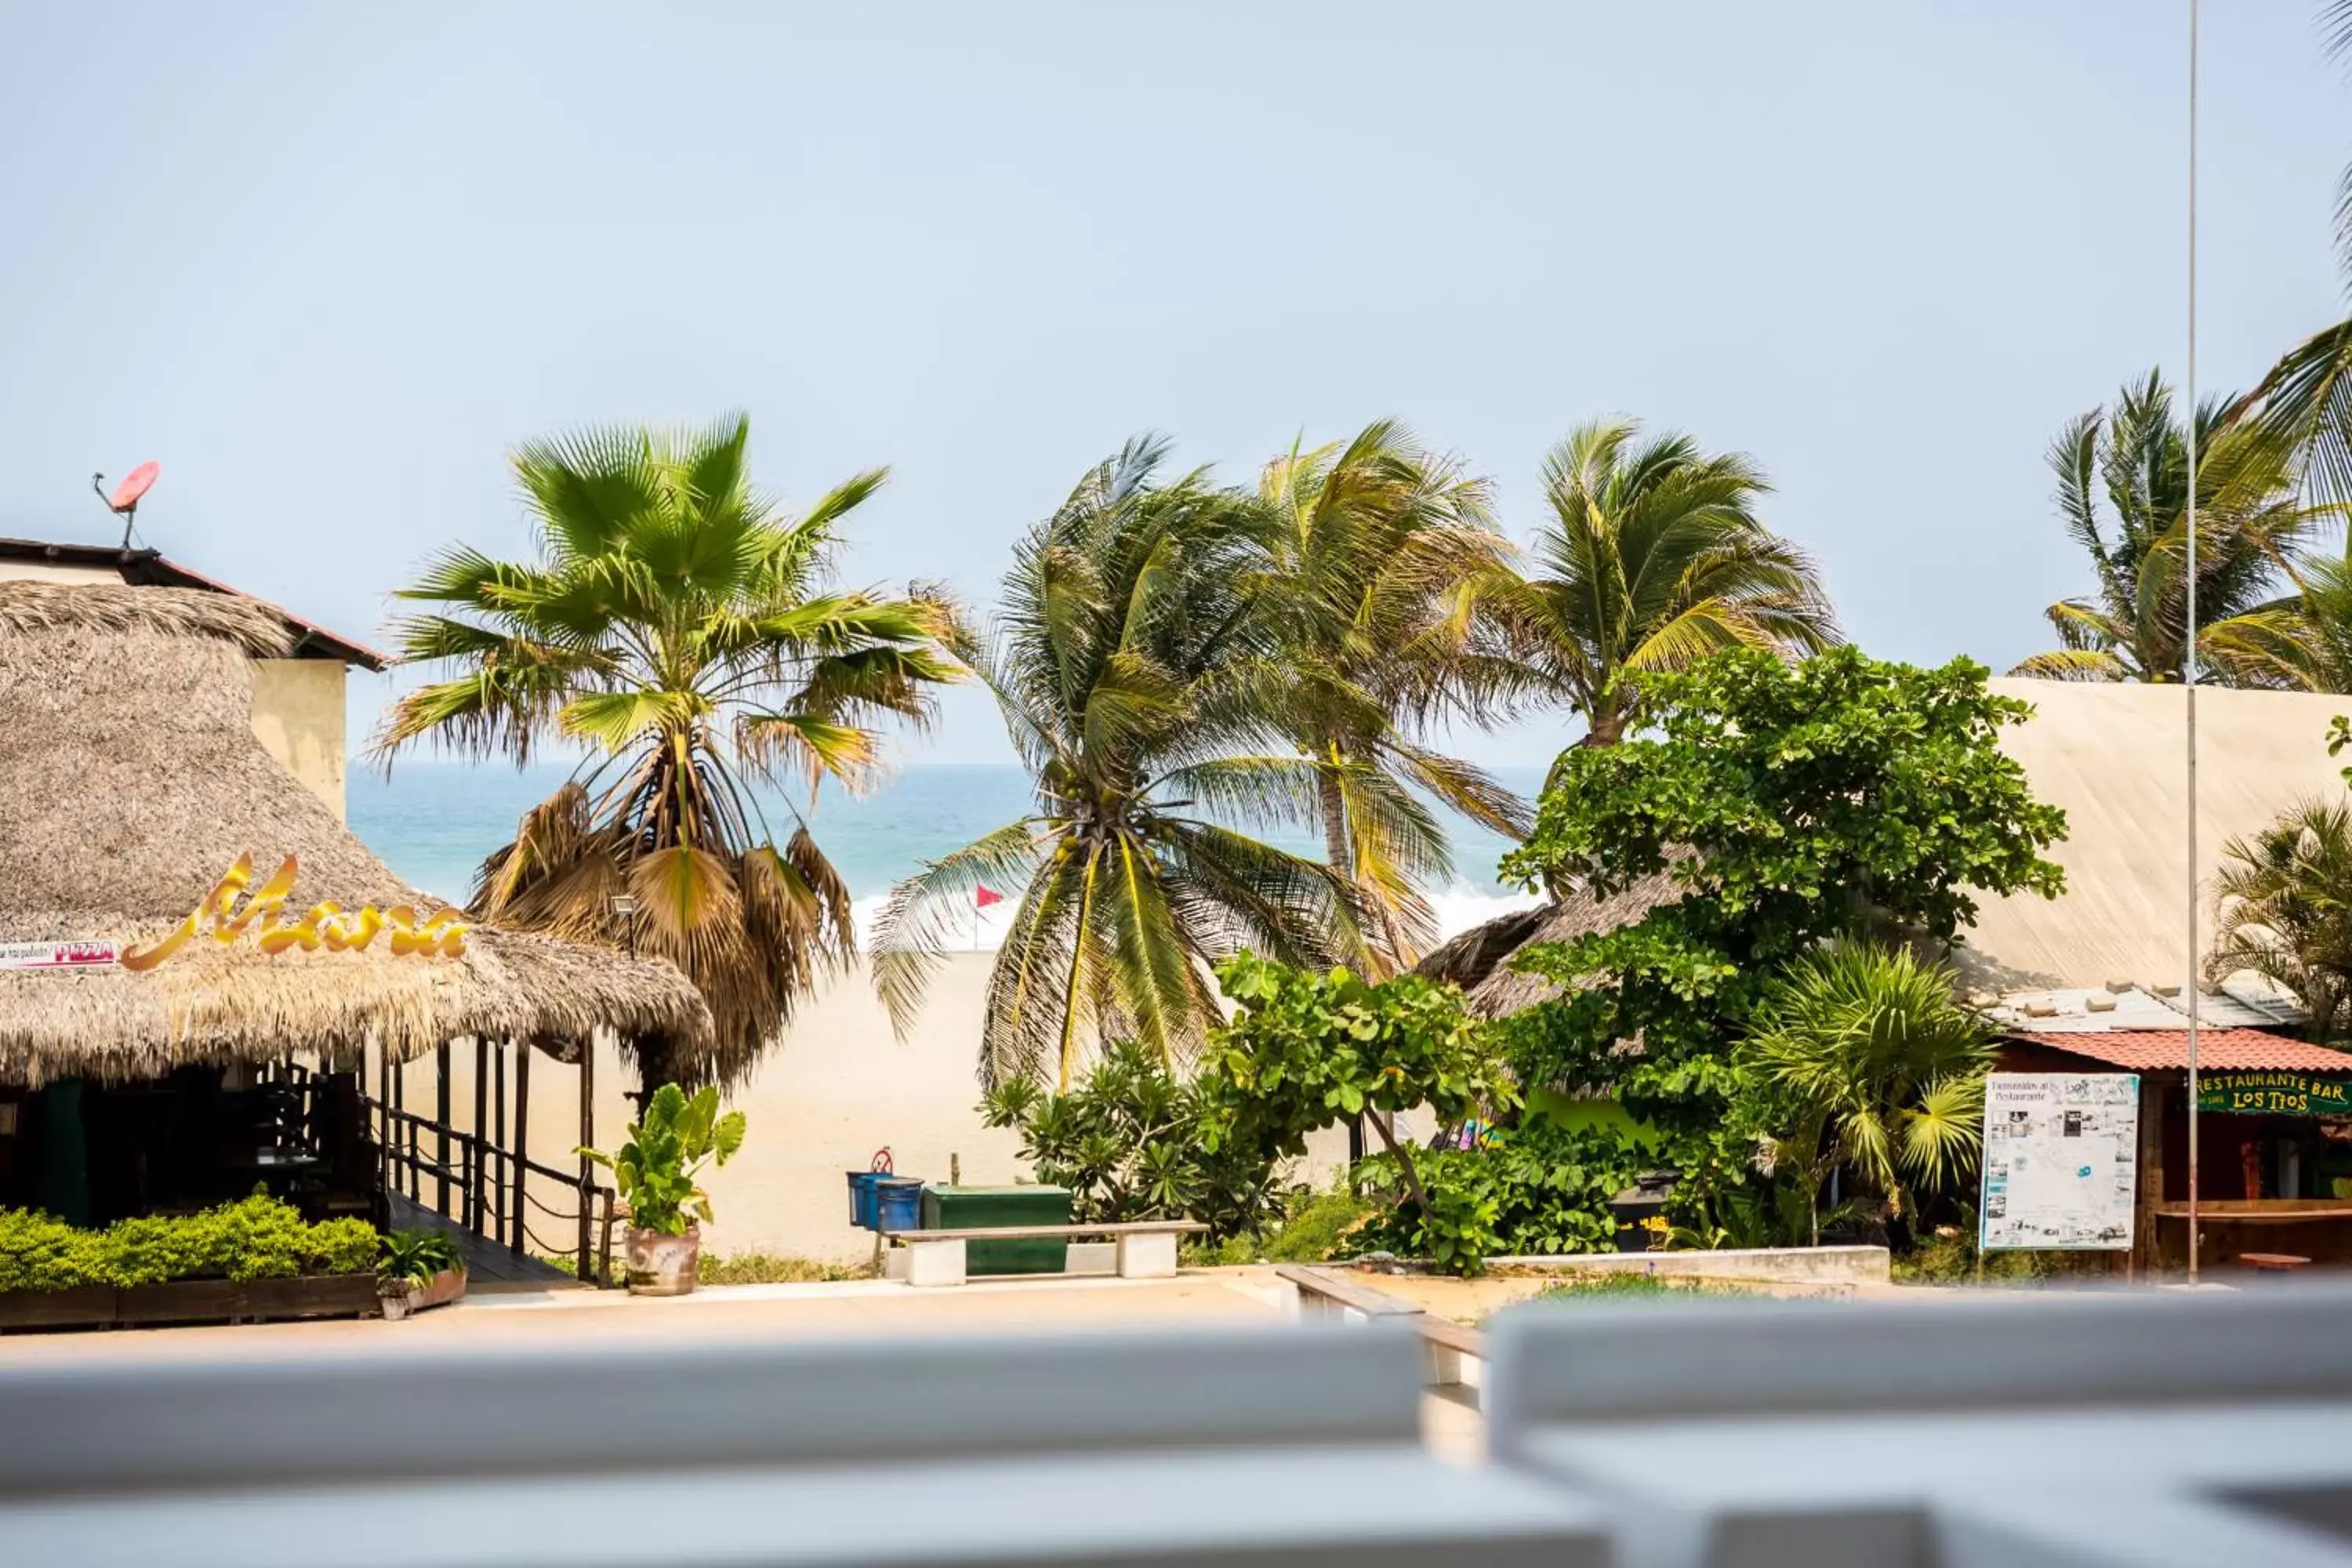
(1379, 556)
(2250, 524)
(685, 631)
(2283, 907)
(1865, 1061)
(1651, 559)
(1118, 659)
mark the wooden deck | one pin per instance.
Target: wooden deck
(487, 1261)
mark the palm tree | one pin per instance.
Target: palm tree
(2250, 523)
(2283, 906)
(685, 631)
(1114, 659)
(1652, 558)
(1865, 1061)
(1379, 557)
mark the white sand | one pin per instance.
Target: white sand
(839, 1087)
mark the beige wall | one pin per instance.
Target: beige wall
(297, 712)
(42, 572)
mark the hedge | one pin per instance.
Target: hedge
(259, 1238)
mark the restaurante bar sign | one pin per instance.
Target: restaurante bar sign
(224, 920)
(2277, 1093)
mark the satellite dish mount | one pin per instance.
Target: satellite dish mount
(123, 502)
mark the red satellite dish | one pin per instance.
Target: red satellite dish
(134, 484)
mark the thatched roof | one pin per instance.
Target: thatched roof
(1479, 959)
(131, 780)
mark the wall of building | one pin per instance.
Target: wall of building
(297, 712)
(43, 572)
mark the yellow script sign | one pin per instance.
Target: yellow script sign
(327, 925)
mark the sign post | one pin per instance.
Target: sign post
(2061, 1162)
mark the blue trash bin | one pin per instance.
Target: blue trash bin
(899, 1203)
(862, 1197)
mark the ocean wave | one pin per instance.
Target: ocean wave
(1457, 910)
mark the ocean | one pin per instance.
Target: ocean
(433, 822)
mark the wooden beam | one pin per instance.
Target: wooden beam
(519, 1240)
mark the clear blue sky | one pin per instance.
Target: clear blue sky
(328, 262)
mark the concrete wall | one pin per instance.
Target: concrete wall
(297, 712)
(43, 572)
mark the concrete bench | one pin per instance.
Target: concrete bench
(1449, 1349)
(1147, 1247)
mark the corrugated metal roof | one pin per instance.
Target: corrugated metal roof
(2217, 1051)
(2241, 1002)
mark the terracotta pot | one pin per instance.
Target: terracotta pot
(661, 1265)
(403, 1297)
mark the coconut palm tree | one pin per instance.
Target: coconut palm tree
(685, 631)
(1652, 558)
(1379, 557)
(1120, 658)
(1864, 1060)
(2250, 525)
(2283, 907)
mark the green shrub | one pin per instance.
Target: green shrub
(769, 1269)
(1639, 1287)
(1316, 1227)
(257, 1239)
(416, 1255)
(1536, 1189)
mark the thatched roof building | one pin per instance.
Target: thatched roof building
(1478, 960)
(131, 780)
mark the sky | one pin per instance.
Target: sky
(329, 264)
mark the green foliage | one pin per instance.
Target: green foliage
(769, 1269)
(417, 1255)
(2283, 907)
(1128, 1142)
(1792, 805)
(1535, 1189)
(1315, 1227)
(1631, 1285)
(1861, 1057)
(666, 1150)
(258, 1239)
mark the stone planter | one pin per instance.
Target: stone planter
(405, 1296)
(661, 1265)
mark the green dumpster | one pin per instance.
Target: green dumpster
(988, 1208)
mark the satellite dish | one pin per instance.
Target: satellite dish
(134, 484)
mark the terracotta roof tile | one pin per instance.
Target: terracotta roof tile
(2217, 1051)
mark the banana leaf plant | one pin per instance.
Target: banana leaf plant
(657, 1169)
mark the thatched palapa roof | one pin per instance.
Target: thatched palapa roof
(131, 780)
(1478, 960)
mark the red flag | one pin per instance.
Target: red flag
(985, 895)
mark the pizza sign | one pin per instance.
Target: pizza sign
(57, 954)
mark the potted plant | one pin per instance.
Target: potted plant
(419, 1268)
(656, 1170)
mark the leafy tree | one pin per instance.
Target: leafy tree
(1379, 559)
(1651, 559)
(2250, 523)
(1535, 1189)
(1128, 1143)
(1119, 660)
(2283, 907)
(1305, 1051)
(1791, 804)
(686, 631)
(1861, 1057)
(658, 1170)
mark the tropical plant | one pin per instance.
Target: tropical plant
(657, 1169)
(1536, 1189)
(1303, 1051)
(1786, 806)
(1126, 1142)
(686, 631)
(259, 1238)
(1379, 557)
(2283, 908)
(1652, 558)
(1121, 659)
(2250, 525)
(416, 1256)
(1861, 1057)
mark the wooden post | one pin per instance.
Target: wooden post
(521, 1145)
(587, 1141)
(478, 1177)
(441, 1125)
(499, 1182)
(2148, 1259)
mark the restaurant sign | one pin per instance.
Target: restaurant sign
(2277, 1093)
(56, 954)
(225, 919)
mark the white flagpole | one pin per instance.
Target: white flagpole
(2189, 648)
